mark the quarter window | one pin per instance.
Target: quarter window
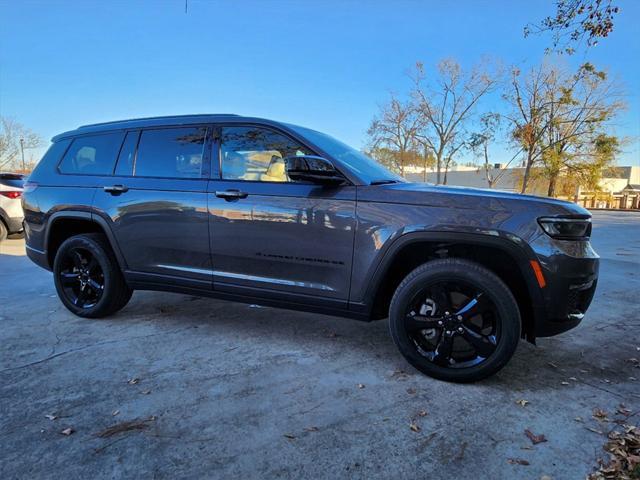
(92, 154)
(171, 153)
(254, 153)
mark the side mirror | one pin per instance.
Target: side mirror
(310, 168)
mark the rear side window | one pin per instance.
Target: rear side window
(171, 153)
(92, 154)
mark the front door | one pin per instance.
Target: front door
(269, 233)
(157, 204)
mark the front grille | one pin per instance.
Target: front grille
(579, 297)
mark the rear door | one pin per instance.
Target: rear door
(156, 202)
(270, 234)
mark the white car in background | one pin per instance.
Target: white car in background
(11, 215)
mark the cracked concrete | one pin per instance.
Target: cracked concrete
(226, 382)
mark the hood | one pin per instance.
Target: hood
(465, 198)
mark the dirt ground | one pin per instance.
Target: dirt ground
(225, 390)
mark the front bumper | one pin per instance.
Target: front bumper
(571, 273)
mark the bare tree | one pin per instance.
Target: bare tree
(528, 118)
(393, 131)
(14, 137)
(573, 21)
(579, 108)
(446, 102)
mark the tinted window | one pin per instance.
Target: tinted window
(92, 154)
(127, 154)
(171, 153)
(254, 153)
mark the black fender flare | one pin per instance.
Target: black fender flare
(90, 217)
(522, 253)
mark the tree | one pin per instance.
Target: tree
(393, 133)
(446, 103)
(11, 135)
(578, 110)
(528, 116)
(480, 140)
(573, 21)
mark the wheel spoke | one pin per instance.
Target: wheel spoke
(81, 298)
(76, 257)
(442, 353)
(442, 298)
(483, 344)
(476, 306)
(93, 263)
(69, 278)
(420, 322)
(95, 285)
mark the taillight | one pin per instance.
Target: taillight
(13, 194)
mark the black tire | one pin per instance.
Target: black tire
(501, 310)
(3, 231)
(104, 272)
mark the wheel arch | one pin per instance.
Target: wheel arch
(67, 223)
(498, 253)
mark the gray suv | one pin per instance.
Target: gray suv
(258, 211)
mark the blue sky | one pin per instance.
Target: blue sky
(323, 64)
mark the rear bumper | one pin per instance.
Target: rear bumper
(38, 257)
(14, 224)
(571, 275)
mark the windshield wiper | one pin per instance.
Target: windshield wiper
(383, 182)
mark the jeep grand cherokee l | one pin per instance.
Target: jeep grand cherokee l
(258, 211)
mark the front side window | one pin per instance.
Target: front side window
(171, 153)
(92, 154)
(256, 153)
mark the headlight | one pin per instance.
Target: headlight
(566, 228)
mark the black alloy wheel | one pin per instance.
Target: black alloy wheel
(81, 277)
(455, 320)
(88, 278)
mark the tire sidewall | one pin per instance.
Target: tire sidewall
(103, 260)
(508, 317)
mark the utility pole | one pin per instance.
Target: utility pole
(22, 151)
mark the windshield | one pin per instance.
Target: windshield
(366, 168)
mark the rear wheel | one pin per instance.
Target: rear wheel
(455, 320)
(87, 277)
(3, 231)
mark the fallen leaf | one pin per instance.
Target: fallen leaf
(553, 365)
(411, 391)
(564, 383)
(311, 429)
(574, 379)
(535, 439)
(115, 412)
(518, 461)
(622, 410)
(67, 431)
(523, 402)
(145, 392)
(414, 427)
(579, 419)
(125, 427)
(289, 436)
(594, 430)
(600, 414)
(400, 375)
(50, 417)
(133, 381)
(422, 413)
(361, 386)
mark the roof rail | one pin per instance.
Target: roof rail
(161, 117)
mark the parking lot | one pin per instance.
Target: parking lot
(224, 390)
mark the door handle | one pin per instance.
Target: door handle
(115, 189)
(231, 194)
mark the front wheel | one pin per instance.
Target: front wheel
(455, 320)
(87, 277)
